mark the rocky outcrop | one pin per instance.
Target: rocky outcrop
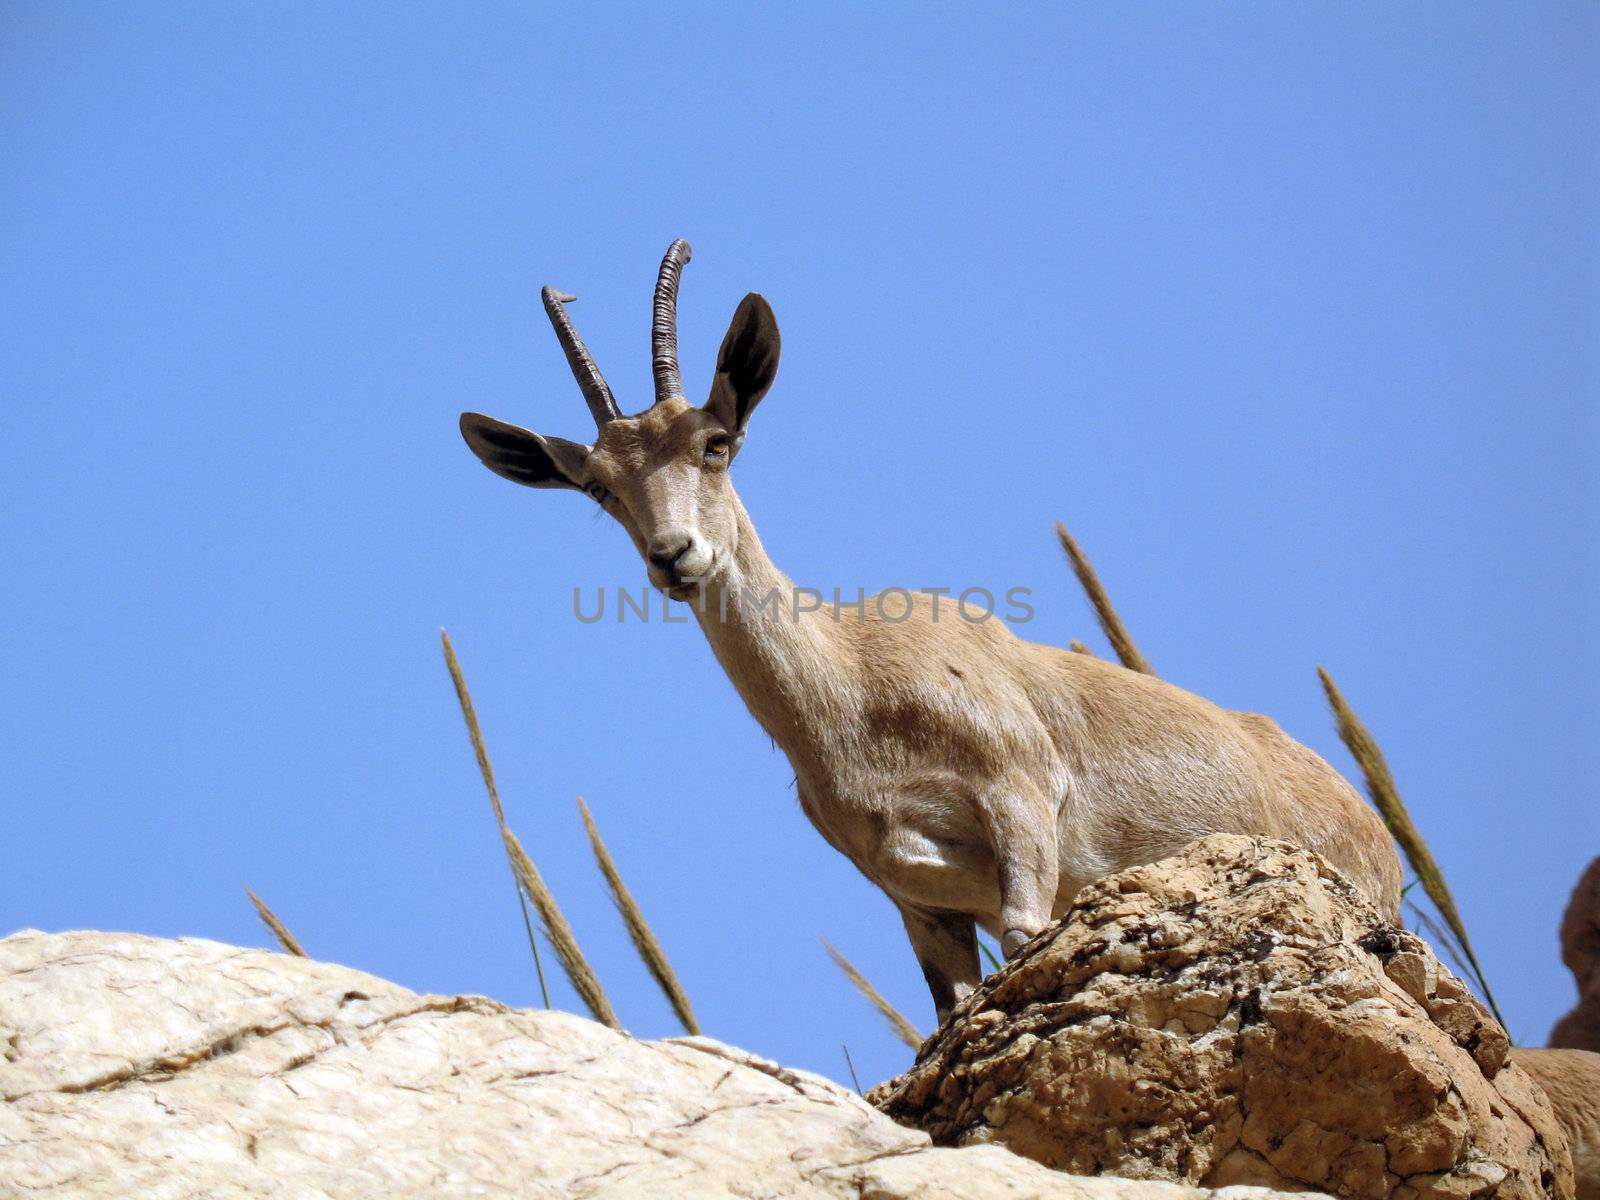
(1570, 1074)
(1238, 1014)
(134, 1066)
(1571, 1080)
(1580, 950)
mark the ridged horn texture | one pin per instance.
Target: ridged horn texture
(602, 405)
(664, 322)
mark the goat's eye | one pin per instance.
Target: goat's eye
(716, 449)
(598, 493)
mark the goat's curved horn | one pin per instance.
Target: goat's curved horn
(664, 322)
(602, 405)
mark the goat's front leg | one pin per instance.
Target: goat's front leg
(1022, 833)
(946, 947)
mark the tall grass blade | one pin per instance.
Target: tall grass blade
(994, 963)
(287, 940)
(1116, 632)
(1386, 798)
(854, 1078)
(584, 980)
(644, 939)
(903, 1029)
(1443, 937)
(470, 715)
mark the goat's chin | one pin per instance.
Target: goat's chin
(671, 587)
(683, 584)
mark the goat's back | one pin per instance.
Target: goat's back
(1158, 767)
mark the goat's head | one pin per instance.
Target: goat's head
(664, 473)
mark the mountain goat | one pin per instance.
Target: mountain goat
(973, 776)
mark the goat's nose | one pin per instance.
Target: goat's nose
(667, 548)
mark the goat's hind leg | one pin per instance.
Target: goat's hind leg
(946, 947)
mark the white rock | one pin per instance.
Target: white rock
(137, 1066)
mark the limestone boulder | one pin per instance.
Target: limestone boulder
(1580, 950)
(1238, 1014)
(1571, 1082)
(136, 1066)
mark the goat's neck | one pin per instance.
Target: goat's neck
(791, 669)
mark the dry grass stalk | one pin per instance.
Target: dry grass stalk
(470, 715)
(1116, 632)
(287, 940)
(903, 1029)
(1386, 799)
(644, 939)
(584, 980)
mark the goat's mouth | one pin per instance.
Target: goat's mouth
(679, 584)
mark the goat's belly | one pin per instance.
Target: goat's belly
(938, 873)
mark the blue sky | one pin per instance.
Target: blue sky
(1289, 313)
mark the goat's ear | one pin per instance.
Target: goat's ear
(746, 364)
(523, 456)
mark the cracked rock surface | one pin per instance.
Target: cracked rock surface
(1235, 1014)
(1580, 950)
(136, 1066)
